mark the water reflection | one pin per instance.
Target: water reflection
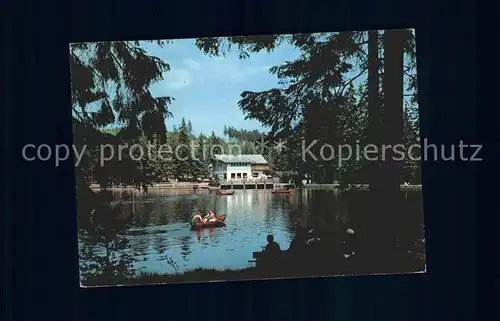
(159, 223)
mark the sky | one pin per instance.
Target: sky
(207, 89)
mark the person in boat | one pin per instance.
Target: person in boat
(272, 249)
(211, 217)
(199, 218)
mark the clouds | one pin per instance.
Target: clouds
(192, 70)
(191, 64)
(207, 89)
(229, 69)
(211, 70)
(177, 79)
(182, 77)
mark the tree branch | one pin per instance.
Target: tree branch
(341, 91)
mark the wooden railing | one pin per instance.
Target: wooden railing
(249, 181)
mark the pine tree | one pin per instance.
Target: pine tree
(200, 164)
(182, 158)
(190, 128)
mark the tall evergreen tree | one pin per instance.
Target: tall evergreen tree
(183, 157)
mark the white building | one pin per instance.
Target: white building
(236, 167)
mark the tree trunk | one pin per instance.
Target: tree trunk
(392, 135)
(373, 106)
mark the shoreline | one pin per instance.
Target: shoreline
(359, 187)
(188, 185)
(182, 185)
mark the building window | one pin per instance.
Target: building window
(238, 175)
(233, 176)
(225, 176)
(244, 175)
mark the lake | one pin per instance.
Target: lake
(160, 223)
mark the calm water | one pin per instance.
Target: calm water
(160, 225)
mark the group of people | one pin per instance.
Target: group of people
(306, 242)
(210, 217)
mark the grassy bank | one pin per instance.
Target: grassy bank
(196, 275)
(199, 276)
(291, 269)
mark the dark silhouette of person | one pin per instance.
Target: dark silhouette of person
(271, 255)
(272, 248)
(298, 244)
(144, 189)
(296, 255)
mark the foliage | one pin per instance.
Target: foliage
(110, 86)
(317, 98)
(104, 227)
(172, 264)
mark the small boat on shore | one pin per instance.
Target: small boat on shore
(282, 191)
(219, 192)
(219, 223)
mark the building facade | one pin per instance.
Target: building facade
(239, 167)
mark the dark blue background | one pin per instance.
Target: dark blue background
(44, 282)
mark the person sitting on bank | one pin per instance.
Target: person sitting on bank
(272, 249)
(298, 244)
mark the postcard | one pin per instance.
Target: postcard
(248, 157)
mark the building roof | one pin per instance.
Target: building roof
(252, 159)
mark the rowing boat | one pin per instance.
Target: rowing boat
(219, 192)
(219, 223)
